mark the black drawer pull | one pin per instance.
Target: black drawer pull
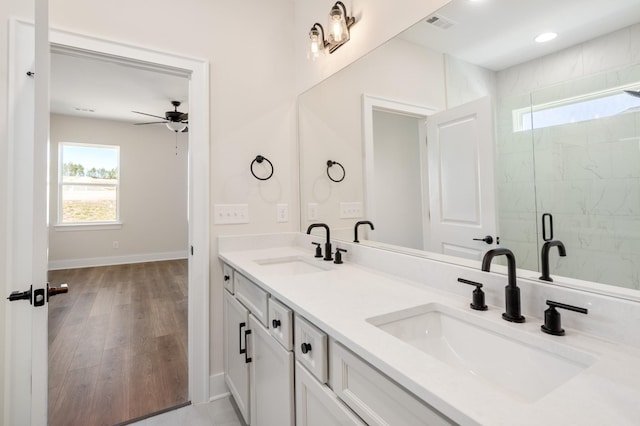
(275, 323)
(305, 347)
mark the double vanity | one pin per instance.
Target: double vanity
(387, 338)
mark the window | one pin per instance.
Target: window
(576, 109)
(88, 183)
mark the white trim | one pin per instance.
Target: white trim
(218, 387)
(115, 260)
(198, 72)
(89, 226)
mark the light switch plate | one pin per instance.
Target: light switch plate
(312, 211)
(282, 213)
(225, 214)
(350, 210)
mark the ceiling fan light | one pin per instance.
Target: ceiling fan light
(176, 126)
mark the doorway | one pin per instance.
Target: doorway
(118, 198)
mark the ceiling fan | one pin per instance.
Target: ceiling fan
(175, 120)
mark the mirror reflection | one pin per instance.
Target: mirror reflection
(457, 138)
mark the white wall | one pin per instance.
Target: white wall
(153, 195)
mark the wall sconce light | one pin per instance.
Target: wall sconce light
(338, 27)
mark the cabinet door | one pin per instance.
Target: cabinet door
(236, 368)
(271, 372)
(317, 405)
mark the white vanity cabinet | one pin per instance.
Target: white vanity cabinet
(259, 370)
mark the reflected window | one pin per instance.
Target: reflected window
(573, 110)
(88, 183)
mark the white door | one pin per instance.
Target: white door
(271, 378)
(236, 358)
(27, 239)
(461, 183)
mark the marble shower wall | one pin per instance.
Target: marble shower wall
(587, 174)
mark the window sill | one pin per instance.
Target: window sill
(87, 226)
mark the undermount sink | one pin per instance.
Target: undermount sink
(483, 350)
(292, 265)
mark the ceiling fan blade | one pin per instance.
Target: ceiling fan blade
(150, 115)
(150, 122)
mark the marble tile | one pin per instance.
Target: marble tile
(607, 52)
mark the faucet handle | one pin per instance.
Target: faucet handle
(339, 252)
(552, 317)
(478, 295)
(318, 250)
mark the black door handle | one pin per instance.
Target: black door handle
(488, 239)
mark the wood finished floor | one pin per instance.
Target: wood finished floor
(117, 342)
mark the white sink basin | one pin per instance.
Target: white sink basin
(529, 369)
(292, 265)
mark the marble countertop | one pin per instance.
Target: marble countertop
(341, 299)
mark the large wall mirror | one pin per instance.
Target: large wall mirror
(463, 127)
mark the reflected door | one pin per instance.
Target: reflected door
(461, 182)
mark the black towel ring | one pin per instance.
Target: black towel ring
(259, 159)
(331, 163)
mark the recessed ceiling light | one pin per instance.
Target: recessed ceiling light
(544, 37)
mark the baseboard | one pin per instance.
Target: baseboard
(115, 260)
(217, 387)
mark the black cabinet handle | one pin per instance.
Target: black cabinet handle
(275, 323)
(305, 347)
(242, 325)
(227, 277)
(488, 239)
(247, 359)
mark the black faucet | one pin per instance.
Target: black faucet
(511, 291)
(544, 257)
(355, 229)
(327, 246)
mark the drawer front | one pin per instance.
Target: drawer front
(253, 297)
(227, 277)
(317, 405)
(375, 397)
(281, 323)
(311, 348)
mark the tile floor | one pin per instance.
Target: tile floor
(215, 413)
